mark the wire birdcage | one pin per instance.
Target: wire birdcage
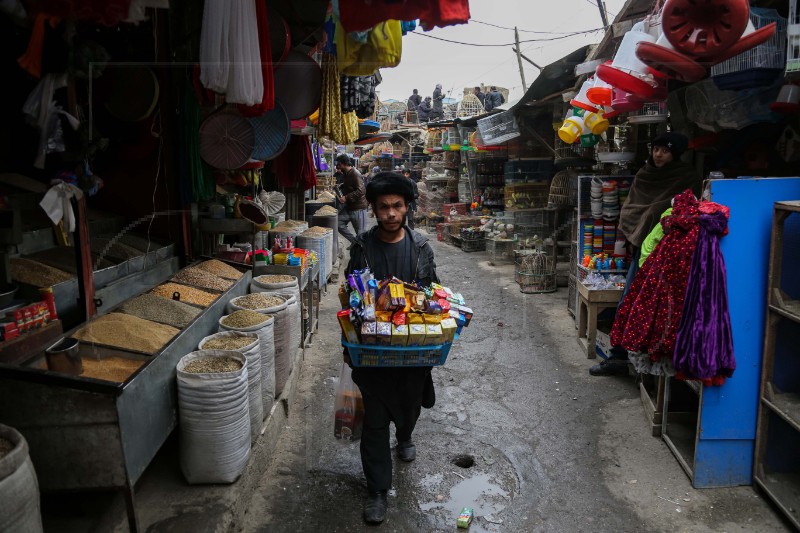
(793, 33)
(500, 250)
(572, 151)
(434, 140)
(535, 272)
(650, 113)
(769, 55)
(564, 189)
(470, 106)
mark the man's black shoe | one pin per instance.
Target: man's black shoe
(610, 367)
(406, 451)
(375, 507)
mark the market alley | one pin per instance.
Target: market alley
(520, 432)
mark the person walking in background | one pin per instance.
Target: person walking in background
(412, 206)
(480, 96)
(438, 97)
(391, 394)
(424, 110)
(352, 197)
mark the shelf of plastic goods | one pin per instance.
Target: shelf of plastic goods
(310, 280)
(91, 434)
(714, 437)
(777, 467)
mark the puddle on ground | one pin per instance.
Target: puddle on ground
(478, 492)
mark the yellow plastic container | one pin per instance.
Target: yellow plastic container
(571, 130)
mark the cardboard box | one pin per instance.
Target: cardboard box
(369, 333)
(416, 334)
(384, 333)
(433, 334)
(449, 328)
(399, 335)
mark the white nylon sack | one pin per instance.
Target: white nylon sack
(233, 306)
(266, 336)
(252, 353)
(19, 488)
(258, 285)
(214, 420)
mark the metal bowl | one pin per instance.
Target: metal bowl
(7, 296)
(63, 357)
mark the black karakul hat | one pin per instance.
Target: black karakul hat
(389, 183)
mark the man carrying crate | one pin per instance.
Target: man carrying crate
(390, 394)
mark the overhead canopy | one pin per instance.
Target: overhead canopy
(556, 77)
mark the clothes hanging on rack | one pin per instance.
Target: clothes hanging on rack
(267, 75)
(358, 94)
(648, 319)
(331, 119)
(704, 343)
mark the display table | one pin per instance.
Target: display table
(87, 433)
(590, 303)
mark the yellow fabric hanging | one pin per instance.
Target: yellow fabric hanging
(384, 48)
(332, 123)
(350, 126)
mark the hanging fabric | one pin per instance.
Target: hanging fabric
(360, 15)
(267, 75)
(358, 94)
(331, 119)
(230, 57)
(704, 343)
(648, 319)
(105, 12)
(384, 48)
(295, 166)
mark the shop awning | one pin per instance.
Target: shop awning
(556, 77)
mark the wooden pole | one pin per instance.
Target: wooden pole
(526, 58)
(519, 61)
(601, 6)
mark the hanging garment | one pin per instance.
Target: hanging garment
(295, 166)
(704, 343)
(648, 319)
(360, 15)
(331, 119)
(230, 57)
(106, 12)
(653, 238)
(265, 50)
(384, 48)
(358, 94)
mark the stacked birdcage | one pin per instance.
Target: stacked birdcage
(470, 106)
(501, 250)
(473, 239)
(566, 151)
(563, 189)
(535, 272)
(433, 141)
(649, 113)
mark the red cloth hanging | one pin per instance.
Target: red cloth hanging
(362, 15)
(31, 60)
(105, 12)
(648, 319)
(295, 166)
(267, 73)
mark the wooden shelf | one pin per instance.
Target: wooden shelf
(784, 489)
(680, 435)
(791, 206)
(784, 305)
(694, 385)
(784, 404)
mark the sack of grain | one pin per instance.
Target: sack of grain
(272, 282)
(19, 488)
(213, 416)
(247, 344)
(288, 333)
(246, 321)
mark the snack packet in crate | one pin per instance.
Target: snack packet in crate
(348, 408)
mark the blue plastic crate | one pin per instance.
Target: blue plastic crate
(372, 355)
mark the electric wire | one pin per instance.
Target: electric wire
(560, 37)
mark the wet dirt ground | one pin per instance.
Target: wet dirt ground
(520, 433)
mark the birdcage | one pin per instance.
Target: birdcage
(564, 189)
(500, 250)
(793, 33)
(535, 272)
(397, 149)
(758, 65)
(649, 113)
(470, 106)
(569, 152)
(434, 140)
(473, 240)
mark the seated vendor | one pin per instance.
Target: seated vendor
(663, 176)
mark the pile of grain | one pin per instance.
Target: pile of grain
(218, 268)
(228, 343)
(5, 447)
(36, 274)
(316, 231)
(118, 250)
(212, 365)
(116, 369)
(158, 309)
(126, 332)
(288, 225)
(326, 211)
(275, 278)
(244, 318)
(187, 294)
(326, 196)
(259, 300)
(200, 278)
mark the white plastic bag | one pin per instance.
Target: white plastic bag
(266, 336)
(252, 353)
(214, 420)
(348, 407)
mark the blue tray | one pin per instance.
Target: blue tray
(371, 355)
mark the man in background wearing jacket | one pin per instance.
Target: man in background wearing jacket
(352, 198)
(438, 97)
